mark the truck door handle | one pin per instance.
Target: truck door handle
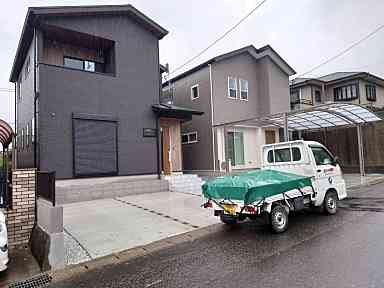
(318, 170)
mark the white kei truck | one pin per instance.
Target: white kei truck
(295, 175)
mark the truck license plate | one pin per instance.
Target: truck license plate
(229, 209)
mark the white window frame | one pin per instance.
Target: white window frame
(243, 90)
(198, 92)
(229, 89)
(188, 134)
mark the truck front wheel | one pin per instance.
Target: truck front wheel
(330, 203)
(279, 219)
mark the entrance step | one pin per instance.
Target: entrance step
(185, 183)
(112, 187)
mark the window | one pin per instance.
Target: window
(22, 139)
(283, 155)
(296, 154)
(89, 66)
(188, 138)
(27, 135)
(19, 89)
(345, 93)
(322, 157)
(295, 96)
(371, 92)
(33, 130)
(270, 157)
(73, 63)
(317, 96)
(86, 65)
(243, 89)
(232, 88)
(27, 68)
(195, 92)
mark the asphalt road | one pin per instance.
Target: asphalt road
(344, 250)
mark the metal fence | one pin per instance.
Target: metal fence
(46, 187)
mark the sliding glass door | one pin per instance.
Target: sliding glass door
(236, 148)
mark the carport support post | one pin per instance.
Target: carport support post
(286, 132)
(226, 149)
(361, 150)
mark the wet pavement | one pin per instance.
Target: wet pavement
(22, 265)
(344, 250)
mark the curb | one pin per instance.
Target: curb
(126, 255)
(368, 183)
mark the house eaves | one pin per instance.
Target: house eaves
(265, 51)
(36, 13)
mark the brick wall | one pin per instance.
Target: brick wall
(21, 218)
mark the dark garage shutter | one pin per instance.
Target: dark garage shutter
(95, 145)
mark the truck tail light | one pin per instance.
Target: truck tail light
(208, 204)
(250, 209)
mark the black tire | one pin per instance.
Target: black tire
(330, 203)
(278, 219)
(228, 219)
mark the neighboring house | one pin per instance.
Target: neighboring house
(87, 92)
(354, 87)
(238, 85)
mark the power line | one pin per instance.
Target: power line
(220, 38)
(343, 51)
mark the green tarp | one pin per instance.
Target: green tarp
(254, 185)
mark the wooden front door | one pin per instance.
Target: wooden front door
(166, 141)
(270, 136)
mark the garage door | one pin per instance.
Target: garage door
(94, 145)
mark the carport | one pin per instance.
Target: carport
(6, 136)
(320, 117)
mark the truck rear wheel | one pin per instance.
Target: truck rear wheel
(330, 203)
(279, 219)
(228, 219)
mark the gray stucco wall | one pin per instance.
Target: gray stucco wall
(25, 111)
(196, 156)
(128, 96)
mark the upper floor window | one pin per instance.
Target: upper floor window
(19, 89)
(80, 64)
(27, 68)
(371, 92)
(243, 89)
(317, 96)
(195, 92)
(232, 87)
(345, 93)
(188, 138)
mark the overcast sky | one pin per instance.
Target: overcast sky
(303, 32)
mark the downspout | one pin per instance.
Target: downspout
(14, 144)
(158, 128)
(212, 117)
(36, 163)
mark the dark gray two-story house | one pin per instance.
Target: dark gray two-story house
(87, 92)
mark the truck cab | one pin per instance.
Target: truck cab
(307, 158)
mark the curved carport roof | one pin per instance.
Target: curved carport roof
(6, 133)
(319, 117)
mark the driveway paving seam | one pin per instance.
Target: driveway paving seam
(157, 213)
(78, 243)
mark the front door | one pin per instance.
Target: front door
(270, 136)
(166, 141)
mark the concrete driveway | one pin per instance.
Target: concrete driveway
(101, 227)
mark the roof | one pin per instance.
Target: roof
(265, 51)
(332, 115)
(337, 77)
(173, 111)
(6, 133)
(36, 13)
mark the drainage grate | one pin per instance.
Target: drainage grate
(38, 281)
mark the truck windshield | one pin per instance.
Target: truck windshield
(322, 156)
